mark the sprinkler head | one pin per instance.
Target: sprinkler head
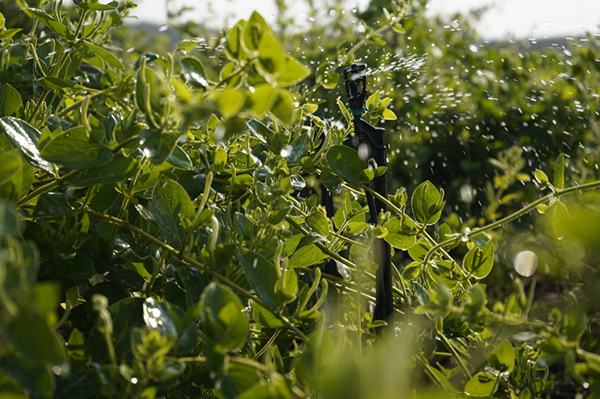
(355, 78)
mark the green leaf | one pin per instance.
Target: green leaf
(73, 149)
(388, 115)
(482, 384)
(262, 277)
(233, 45)
(56, 83)
(271, 58)
(2, 20)
(283, 107)
(193, 72)
(105, 54)
(292, 72)
(51, 23)
(541, 177)
(575, 322)
(230, 101)
(220, 159)
(221, 312)
(180, 159)
(10, 166)
(265, 318)
(253, 31)
(11, 103)
(157, 317)
(263, 98)
(148, 96)
(411, 271)
(401, 232)
(346, 163)
(305, 256)
(296, 150)
(502, 358)
(559, 172)
(479, 261)
(30, 335)
(172, 209)
(25, 138)
(8, 33)
(318, 222)
(98, 7)
(118, 169)
(426, 203)
(157, 145)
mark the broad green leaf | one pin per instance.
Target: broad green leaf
(2, 21)
(156, 317)
(559, 172)
(479, 261)
(10, 166)
(271, 58)
(253, 31)
(575, 322)
(97, 6)
(318, 222)
(389, 115)
(346, 163)
(8, 33)
(411, 271)
(11, 103)
(222, 315)
(157, 145)
(292, 73)
(193, 72)
(265, 318)
(51, 23)
(263, 98)
(296, 150)
(502, 358)
(220, 159)
(30, 335)
(180, 159)
(426, 203)
(262, 277)
(105, 55)
(541, 177)
(172, 209)
(401, 232)
(73, 149)
(118, 169)
(25, 138)
(230, 101)
(306, 255)
(283, 107)
(419, 250)
(56, 83)
(482, 384)
(233, 45)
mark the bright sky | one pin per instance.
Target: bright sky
(506, 18)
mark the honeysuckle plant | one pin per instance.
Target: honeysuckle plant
(163, 234)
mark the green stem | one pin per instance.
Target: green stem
(455, 354)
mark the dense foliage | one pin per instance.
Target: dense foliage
(163, 232)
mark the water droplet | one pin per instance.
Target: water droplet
(525, 263)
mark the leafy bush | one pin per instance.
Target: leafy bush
(163, 232)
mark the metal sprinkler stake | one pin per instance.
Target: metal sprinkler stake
(355, 78)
